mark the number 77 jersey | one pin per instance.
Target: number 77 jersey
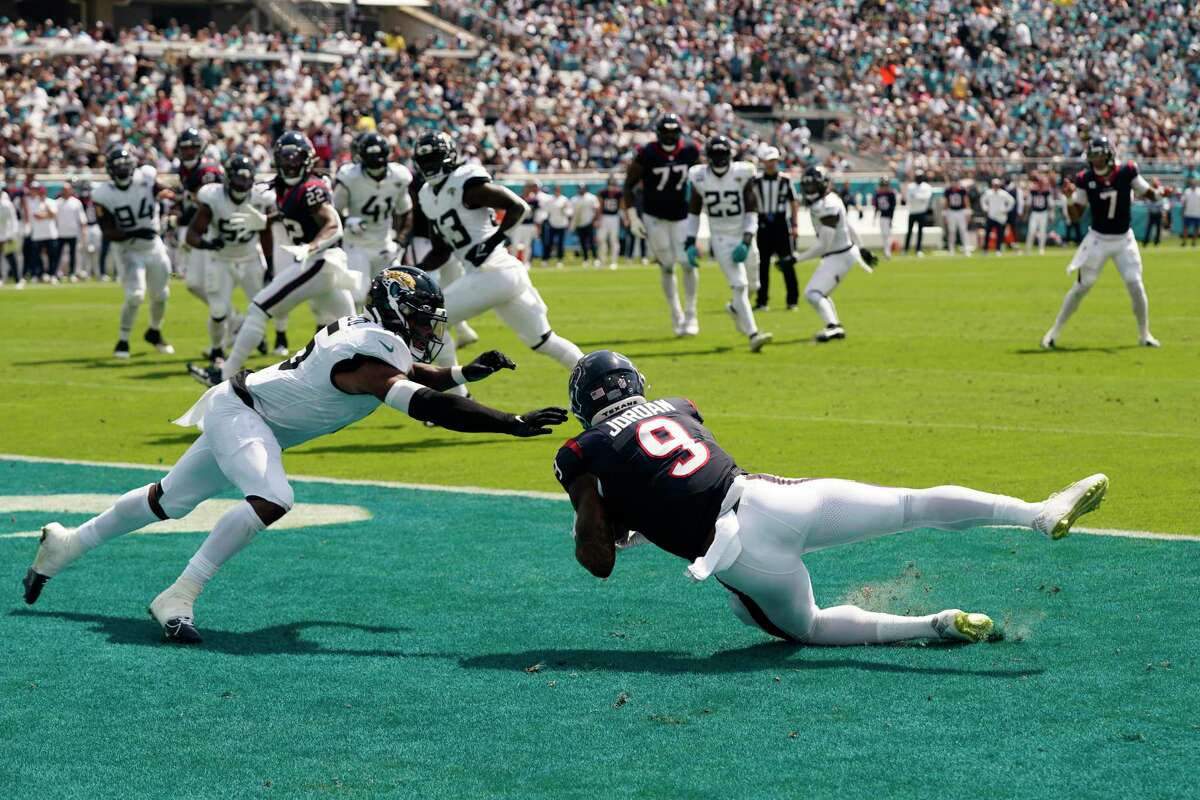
(661, 472)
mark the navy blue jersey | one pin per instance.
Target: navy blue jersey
(665, 178)
(956, 199)
(420, 222)
(610, 200)
(885, 202)
(661, 473)
(191, 181)
(298, 204)
(1039, 200)
(1110, 197)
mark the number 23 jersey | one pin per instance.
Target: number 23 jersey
(661, 472)
(461, 228)
(722, 196)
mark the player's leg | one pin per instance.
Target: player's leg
(218, 294)
(158, 289)
(450, 272)
(358, 262)
(735, 276)
(885, 236)
(659, 240)
(192, 263)
(526, 316)
(133, 282)
(690, 277)
(825, 279)
(1128, 258)
(1088, 259)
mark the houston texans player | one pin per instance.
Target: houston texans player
(648, 470)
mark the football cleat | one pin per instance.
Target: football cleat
(172, 609)
(1149, 341)
(154, 336)
(759, 340)
(1061, 510)
(465, 335)
(281, 343)
(57, 548)
(957, 625)
(210, 376)
(1048, 341)
(121, 350)
(691, 325)
(262, 346)
(830, 333)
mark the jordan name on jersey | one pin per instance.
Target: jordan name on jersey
(373, 201)
(832, 206)
(722, 195)
(461, 228)
(134, 208)
(238, 243)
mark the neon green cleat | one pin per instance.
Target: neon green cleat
(961, 626)
(1062, 509)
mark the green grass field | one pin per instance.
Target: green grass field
(415, 643)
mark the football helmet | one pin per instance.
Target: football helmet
(669, 130)
(120, 165)
(602, 383)
(814, 184)
(1100, 154)
(435, 156)
(719, 153)
(189, 148)
(294, 157)
(239, 177)
(409, 303)
(372, 153)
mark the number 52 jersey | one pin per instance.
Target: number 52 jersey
(661, 472)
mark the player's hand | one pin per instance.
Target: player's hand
(486, 364)
(215, 244)
(249, 220)
(740, 253)
(868, 256)
(355, 225)
(538, 423)
(299, 252)
(480, 252)
(693, 254)
(636, 226)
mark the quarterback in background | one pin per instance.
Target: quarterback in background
(350, 368)
(1107, 189)
(649, 470)
(724, 190)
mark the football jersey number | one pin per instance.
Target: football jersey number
(377, 211)
(234, 235)
(298, 359)
(450, 223)
(664, 175)
(662, 437)
(1111, 196)
(723, 204)
(126, 217)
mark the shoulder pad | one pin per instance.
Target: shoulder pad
(346, 172)
(400, 173)
(468, 171)
(147, 173)
(207, 191)
(744, 169)
(377, 342)
(696, 172)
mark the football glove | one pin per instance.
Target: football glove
(740, 253)
(868, 256)
(249, 220)
(215, 244)
(486, 364)
(636, 226)
(539, 422)
(692, 253)
(299, 252)
(480, 252)
(355, 225)
(142, 233)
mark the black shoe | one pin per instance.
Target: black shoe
(281, 343)
(33, 583)
(179, 630)
(262, 347)
(121, 350)
(154, 337)
(830, 333)
(210, 376)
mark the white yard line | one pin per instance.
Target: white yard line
(480, 490)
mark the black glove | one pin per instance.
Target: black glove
(868, 256)
(480, 252)
(215, 244)
(537, 423)
(142, 233)
(486, 364)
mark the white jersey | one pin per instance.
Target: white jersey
(238, 244)
(133, 208)
(297, 397)
(461, 228)
(722, 196)
(832, 206)
(374, 201)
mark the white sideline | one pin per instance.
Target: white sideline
(481, 490)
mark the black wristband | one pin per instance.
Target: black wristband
(456, 413)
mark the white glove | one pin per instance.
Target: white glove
(249, 220)
(636, 226)
(355, 225)
(299, 252)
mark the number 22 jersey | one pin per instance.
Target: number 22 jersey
(661, 472)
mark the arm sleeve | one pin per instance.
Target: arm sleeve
(569, 463)
(1140, 185)
(456, 413)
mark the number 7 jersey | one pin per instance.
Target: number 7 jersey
(661, 472)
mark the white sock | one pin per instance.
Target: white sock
(253, 328)
(1071, 302)
(824, 306)
(233, 531)
(691, 290)
(851, 625)
(957, 508)
(671, 292)
(1141, 306)
(129, 310)
(128, 514)
(745, 315)
(281, 324)
(561, 350)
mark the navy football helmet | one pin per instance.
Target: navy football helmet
(669, 131)
(239, 177)
(189, 147)
(719, 152)
(120, 165)
(372, 152)
(409, 303)
(603, 380)
(435, 156)
(294, 157)
(1100, 154)
(814, 184)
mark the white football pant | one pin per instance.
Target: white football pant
(736, 274)
(1039, 222)
(1094, 252)
(146, 271)
(957, 229)
(666, 238)
(608, 241)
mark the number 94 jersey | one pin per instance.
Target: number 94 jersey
(722, 195)
(373, 201)
(238, 243)
(661, 472)
(461, 228)
(133, 208)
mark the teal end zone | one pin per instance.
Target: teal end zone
(450, 647)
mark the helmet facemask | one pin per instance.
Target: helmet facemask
(719, 158)
(669, 133)
(189, 154)
(238, 184)
(374, 160)
(121, 169)
(291, 163)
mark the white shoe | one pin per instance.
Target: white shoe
(691, 325)
(558, 265)
(57, 548)
(613, 265)
(920, 254)
(465, 335)
(760, 340)
(958, 625)
(20, 284)
(1060, 511)
(1048, 341)
(1149, 341)
(830, 332)
(172, 609)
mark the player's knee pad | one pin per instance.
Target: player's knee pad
(162, 294)
(1084, 284)
(667, 269)
(176, 503)
(135, 296)
(255, 314)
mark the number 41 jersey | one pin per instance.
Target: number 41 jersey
(661, 472)
(374, 201)
(722, 195)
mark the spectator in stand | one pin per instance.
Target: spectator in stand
(70, 224)
(584, 207)
(1191, 211)
(43, 233)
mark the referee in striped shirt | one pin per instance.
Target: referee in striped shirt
(777, 209)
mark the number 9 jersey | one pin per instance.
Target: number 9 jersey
(461, 228)
(722, 195)
(661, 473)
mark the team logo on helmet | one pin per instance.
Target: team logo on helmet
(603, 383)
(409, 303)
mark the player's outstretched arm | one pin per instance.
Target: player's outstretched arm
(595, 538)
(442, 378)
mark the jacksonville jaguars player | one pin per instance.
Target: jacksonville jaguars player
(371, 194)
(317, 271)
(1107, 188)
(194, 173)
(838, 246)
(649, 470)
(724, 190)
(127, 208)
(661, 168)
(460, 201)
(225, 225)
(348, 370)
